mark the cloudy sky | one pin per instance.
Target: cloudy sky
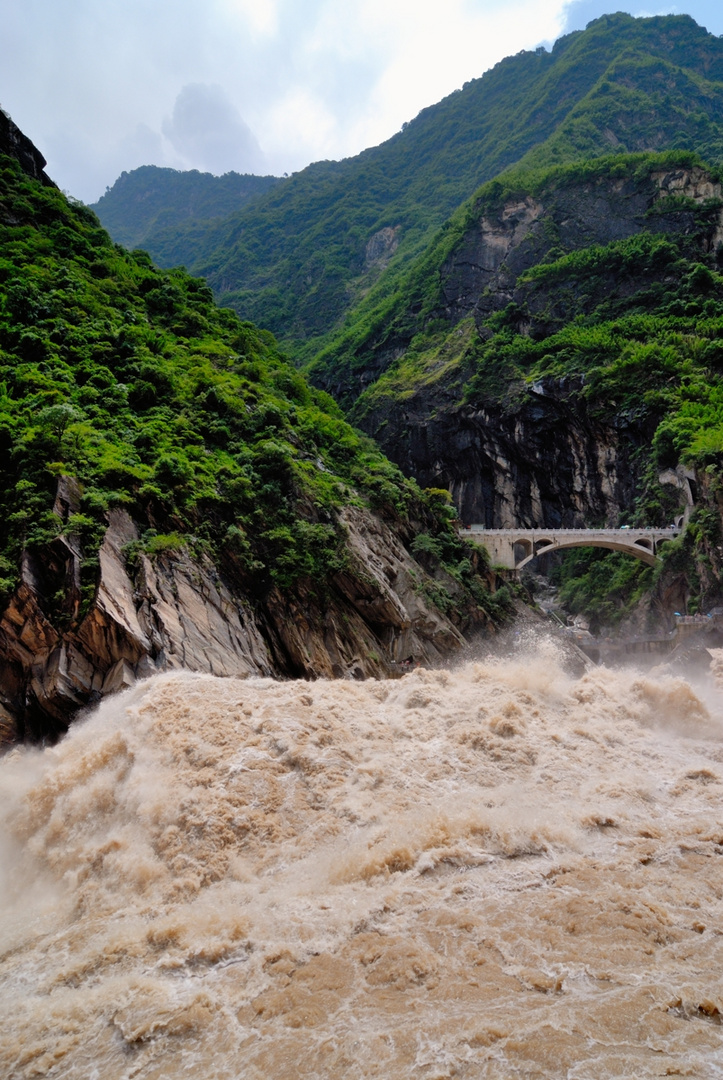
(261, 86)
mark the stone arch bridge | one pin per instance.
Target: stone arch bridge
(514, 548)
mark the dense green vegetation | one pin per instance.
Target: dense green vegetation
(295, 260)
(605, 586)
(633, 329)
(642, 331)
(407, 335)
(149, 200)
(638, 320)
(134, 382)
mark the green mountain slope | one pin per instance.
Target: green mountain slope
(174, 493)
(310, 249)
(557, 350)
(132, 380)
(149, 200)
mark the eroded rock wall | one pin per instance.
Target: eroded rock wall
(173, 611)
(481, 274)
(541, 457)
(547, 464)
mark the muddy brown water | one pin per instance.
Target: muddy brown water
(494, 872)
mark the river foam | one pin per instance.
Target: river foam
(495, 872)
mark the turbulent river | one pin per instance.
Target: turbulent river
(493, 872)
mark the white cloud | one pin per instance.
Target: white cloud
(142, 145)
(207, 130)
(442, 48)
(260, 16)
(298, 120)
(93, 82)
(409, 54)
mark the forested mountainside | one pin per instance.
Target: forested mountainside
(173, 492)
(306, 252)
(149, 200)
(557, 350)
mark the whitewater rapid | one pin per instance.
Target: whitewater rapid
(494, 872)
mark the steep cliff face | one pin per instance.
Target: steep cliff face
(481, 274)
(174, 611)
(17, 145)
(547, 463)
(432, 383)
(692, 578)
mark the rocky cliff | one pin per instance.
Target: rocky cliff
(16, 144)
(153, 614)
(548, 463)
(514, 449)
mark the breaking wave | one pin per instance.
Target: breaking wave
(499, 871)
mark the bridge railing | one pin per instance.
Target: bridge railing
(625, 529)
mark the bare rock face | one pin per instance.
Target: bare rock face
(540, 458)
(175, 613)
(381, 246)
(548, 464)
(16, 145)
(172, 611)
(480, 275)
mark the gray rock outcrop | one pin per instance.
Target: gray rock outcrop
(17, 145)
(153, 614)
(548, 464)
(533, 456)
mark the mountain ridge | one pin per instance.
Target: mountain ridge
(152, 199)
(295, 261)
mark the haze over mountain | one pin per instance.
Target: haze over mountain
(299, 257)
(205, 83)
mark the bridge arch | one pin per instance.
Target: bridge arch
(541, 545)
(523, 549)
(638, 551)
(515, 548)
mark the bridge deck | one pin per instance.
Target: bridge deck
(648, 530)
